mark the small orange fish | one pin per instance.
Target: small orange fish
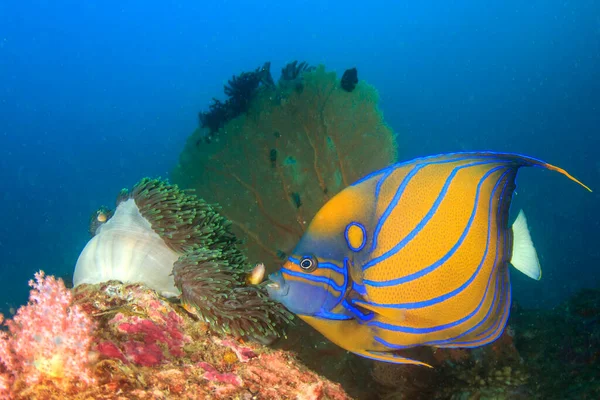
(414, 254)
(101, 217)
(257, 275)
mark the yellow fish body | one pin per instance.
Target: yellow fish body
(414, 254)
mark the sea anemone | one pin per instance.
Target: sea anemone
(179, 245)
(221, 299)
(150, 229)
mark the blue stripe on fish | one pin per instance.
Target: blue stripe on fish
(497, 292)
(362, 315)
(400, 191)
(322, 264)
(498, 327)
(446, 296)
(315, 278)
(425, 219)
(334, 316)
(525, 160)
(392, 345)
(496, 303)
(451, 342)
(405, 329)
(360, 289)
(500, 322)
(381, 181)
(437, 264)
(390, 208)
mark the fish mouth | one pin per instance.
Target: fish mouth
(277, 287)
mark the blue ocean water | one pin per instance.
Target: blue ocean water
(94, 96)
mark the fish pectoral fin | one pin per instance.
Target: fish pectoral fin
(392, 358)
(393, 314)
(524, 257)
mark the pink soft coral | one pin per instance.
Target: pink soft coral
(48, 339)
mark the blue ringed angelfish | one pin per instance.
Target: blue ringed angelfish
(415, 254)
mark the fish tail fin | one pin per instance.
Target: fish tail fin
(524, 257)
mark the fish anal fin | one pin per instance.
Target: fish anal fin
(392, 358)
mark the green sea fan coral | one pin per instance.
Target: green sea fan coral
(179, 245)
(272, 168)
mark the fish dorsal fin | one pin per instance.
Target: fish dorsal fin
(524, 257)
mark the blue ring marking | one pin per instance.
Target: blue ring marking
(427, 216)
(364, 238)
(446, 296)
(438, 263)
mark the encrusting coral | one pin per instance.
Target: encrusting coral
(136, 344)
(180, 246)
(273, 167)
(123, 341)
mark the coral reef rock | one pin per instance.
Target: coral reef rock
(147, 347)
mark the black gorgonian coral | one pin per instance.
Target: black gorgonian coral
(293, 70)
(240, 91)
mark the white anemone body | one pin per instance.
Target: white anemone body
(127, 249)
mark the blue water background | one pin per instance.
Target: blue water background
(96, 95)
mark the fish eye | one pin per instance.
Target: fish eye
(308, 263)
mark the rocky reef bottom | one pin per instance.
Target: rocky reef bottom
(146, 347)
(543, 354)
